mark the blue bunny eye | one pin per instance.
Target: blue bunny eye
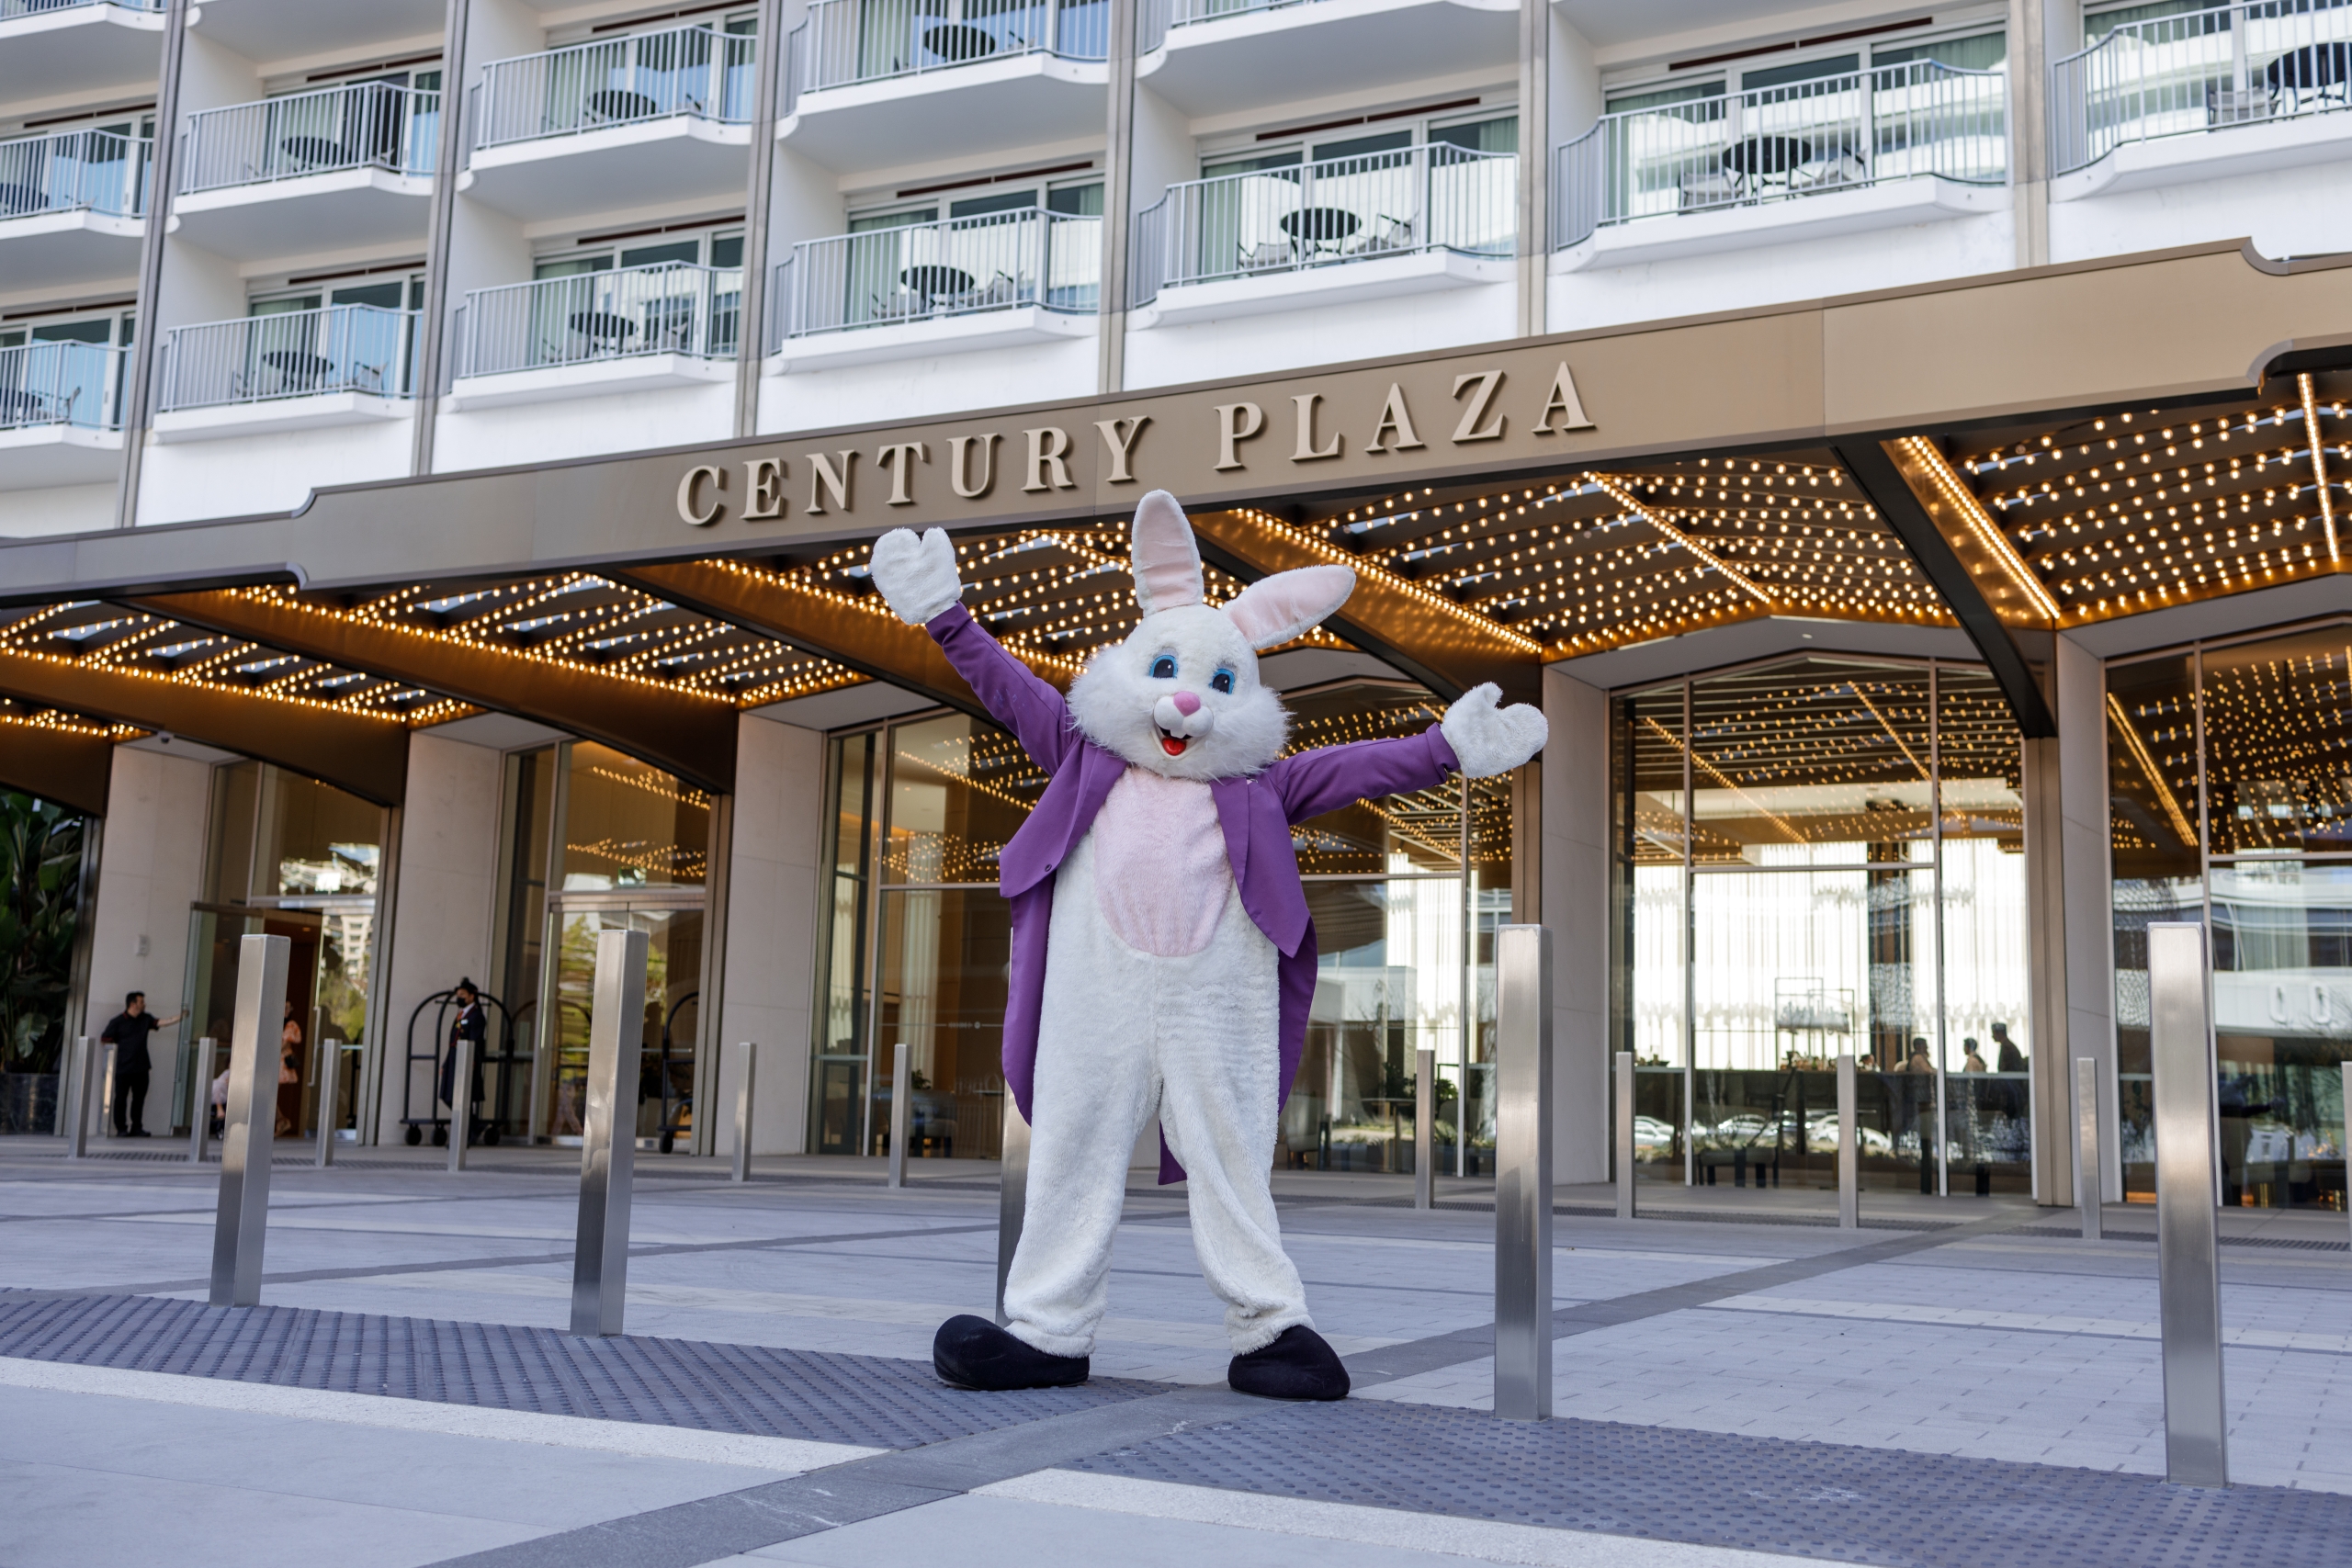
(1164, 667)
(1221, 682)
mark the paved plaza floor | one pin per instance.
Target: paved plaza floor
(1737, 1384)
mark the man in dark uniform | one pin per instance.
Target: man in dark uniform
(128, 1034)
(472, 1023)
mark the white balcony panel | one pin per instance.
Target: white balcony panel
(1388, 277)
(2212, 156)
(310, 30)
(1895, 205)
(316, 412)
(920, 340)
(638, 165)
(77, 48)
(991, 105)
(591, 378)
(43, 456)
(343, 211)
(1225, 63)
(50, 249)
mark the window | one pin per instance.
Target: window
(1492, 133)
(717, 248)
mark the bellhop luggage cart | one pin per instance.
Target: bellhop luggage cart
(501, 1065)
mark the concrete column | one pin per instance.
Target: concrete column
(2040, 31)
(151, 868)
(1118, 199)
(441, 921)
(2046, 1053)
(1574, 870)
(2081, 691)
(1534, 247)
(449, 156)
(774, 880)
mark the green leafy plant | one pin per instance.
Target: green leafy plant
(41, 897)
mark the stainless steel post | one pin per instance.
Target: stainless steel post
(743, 1112)
(248, 1125)
(1425, 1128)
(608, 1142)
(329, 1069)
(205, 1050)
(1523, 1173)
(2188, 1277)
(86, 1064)
(1850, 1151)
(2348, 1134)
(2087, 1158)
(461, 1104)
(1625, 1135)
(1012, 1194)
(901, 1062)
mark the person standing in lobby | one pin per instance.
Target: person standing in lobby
(127, 1031)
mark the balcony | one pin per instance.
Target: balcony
(970, 283)
(2201, 95)
(1837, 155)
(1026, 72)
(60, 409)
(1408, 221)
(622, 122)
(72, 208)
(273, 178)
(1222, 57)
(628, 330)
(68, 49)
(295, 370)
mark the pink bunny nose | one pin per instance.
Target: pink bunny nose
(1187, 704)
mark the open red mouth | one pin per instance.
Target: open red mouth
(1172, 744)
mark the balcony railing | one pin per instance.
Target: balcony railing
(622, 81)
(1438, 196)
(366, 125)
(671, 309)
(74, 171)
(886, 277)
(1805, 138)
(297, 354)
(11, 9)
(2199, 70)
(77, 384)
(869, 41)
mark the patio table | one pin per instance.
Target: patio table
(1767, 157)
(621, 104)
(2311, 69)
(318, 151)
(298, 368)
(933, 281)
(958, 42)
(1312, 228)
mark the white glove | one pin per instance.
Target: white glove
(1487, 739)
(917, 576)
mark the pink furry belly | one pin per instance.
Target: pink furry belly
(1161, 873)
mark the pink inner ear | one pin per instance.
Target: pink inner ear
(1162, 555)
(1277, 608)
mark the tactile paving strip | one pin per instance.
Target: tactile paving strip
(1844, 1503)
(873, 1401)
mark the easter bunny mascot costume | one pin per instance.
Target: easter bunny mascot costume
(1163, 956)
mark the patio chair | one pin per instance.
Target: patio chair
(1836, 166)
(1388, 234)
(1707, 188)
(1267, 257)
(2224, 105)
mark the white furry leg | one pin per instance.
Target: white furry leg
(1218, 1062)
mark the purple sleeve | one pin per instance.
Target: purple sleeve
(1010, 690)
(1329, 777)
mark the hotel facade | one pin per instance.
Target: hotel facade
(1903, 451)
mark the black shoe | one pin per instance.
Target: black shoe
(1298, 1365)
(972, 1353)
(141, 1132)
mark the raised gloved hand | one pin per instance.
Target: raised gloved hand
(917, 576)
(1489, 739)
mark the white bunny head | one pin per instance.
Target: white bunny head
(1180, 696)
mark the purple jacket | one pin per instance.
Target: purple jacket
(1256, 813)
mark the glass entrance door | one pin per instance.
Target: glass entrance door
(669, 1035)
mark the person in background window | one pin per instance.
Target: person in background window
(1973, 1062)
(290, 1076)
(128, 1033)
(2012, 1060)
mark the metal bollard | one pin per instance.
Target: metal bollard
(1012, 1195)
(1850, 1151)
(743, 1112)
(206, 1051)
(901, 1117)
(2189, 1275)
(240, 1224)
(330, 1069)
(77, 1131)
(2347, 1132)
(1523, 1173)
(1625, 1135)
(461, 1106)
(1425, 1129)
(608, 1144)
(2087, 1158)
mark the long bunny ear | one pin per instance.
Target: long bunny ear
(1162, 555)
(1276, 609)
